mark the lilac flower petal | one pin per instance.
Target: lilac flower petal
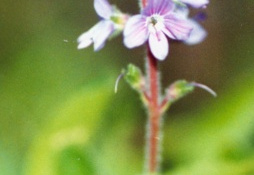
(135, 32)
(197, 35)
(161, 7)
(196, 3)
(177, 28)
(103, 31)
(103, 8)
(159, 45)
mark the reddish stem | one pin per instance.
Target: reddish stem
(143, 3)
(154, 114)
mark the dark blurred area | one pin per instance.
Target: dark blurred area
(59, 113)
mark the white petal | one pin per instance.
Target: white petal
(159, 45)
(135, 31)
(86, 39)
(85, 43)
(100, 35)
(103, 8)
(196, 3)
(197, 35)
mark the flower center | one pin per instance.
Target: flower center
(154, 19)
(155, 23)
(119, 20)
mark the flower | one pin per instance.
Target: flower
(156, 22)
(198, 33)
(195, 3)
(112, 22)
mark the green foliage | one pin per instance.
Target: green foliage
(71, 144)
(73, 161)
(65, 140)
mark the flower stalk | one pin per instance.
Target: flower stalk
(154, 118)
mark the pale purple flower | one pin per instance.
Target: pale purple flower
(112, 21)
(195, 3)
(198, 33)
(156, 22)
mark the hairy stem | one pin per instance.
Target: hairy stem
(154, 118)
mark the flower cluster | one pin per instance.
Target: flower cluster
(113, 22)
(159, 21)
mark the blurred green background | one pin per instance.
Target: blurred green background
(59, 113)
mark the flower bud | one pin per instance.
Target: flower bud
(134, 77)
(178, 90)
